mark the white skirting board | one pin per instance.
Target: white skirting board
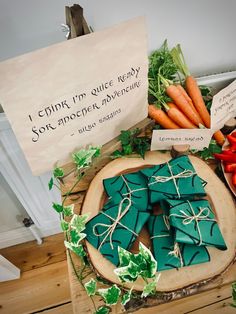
(23, 234)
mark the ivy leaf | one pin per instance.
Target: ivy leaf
(64, 225)
(124, 256)
(126, 297)
(77, 249)
(110, 295)
(58, 172)
(68, 210)
(90, 287)
(234, 294)
(151, 262)
(102, 310)
(83, 158)
(78, 222)
(76, 237)
(150, 288)
(50, 184)
(58, 207)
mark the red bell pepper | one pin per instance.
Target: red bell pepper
(229, 167)
(231, 139)
(234, 179)
(231, 158)
(233, 134)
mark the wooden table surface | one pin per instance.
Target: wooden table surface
(211, 297)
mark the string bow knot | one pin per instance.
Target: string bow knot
(110, 228)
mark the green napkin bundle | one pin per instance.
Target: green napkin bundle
(176, 179)
(118, 224)
(194, 223)
(132, 185)
(169, 254)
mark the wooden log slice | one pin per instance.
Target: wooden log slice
(173, 279)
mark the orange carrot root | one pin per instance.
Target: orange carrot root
(161, 118)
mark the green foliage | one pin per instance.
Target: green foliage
(207, 96)
(234, 294)
(208, 152)
(110, 295)
(50, 183)
(58, 207)
(76, 248)
(160, 63)
(64, 225)
(90, 287)
(78, 222)
(103, 310)
(68, 210)
(126, 297)
(84, 157)
(150, 287)
(132, 143)
(133, 266)
(58, 172)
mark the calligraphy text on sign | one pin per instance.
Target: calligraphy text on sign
(72, 107)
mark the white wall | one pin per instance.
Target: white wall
(205, 28)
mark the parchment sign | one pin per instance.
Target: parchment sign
(195, 138)
(83, 91)
(223, 106)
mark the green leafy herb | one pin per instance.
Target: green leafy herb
(90, 287)
(58, 172)
(160, 63)
(103, 310)
(110, 295)
(207, 96)
(50, 184)
(208, 152)
(132, 143)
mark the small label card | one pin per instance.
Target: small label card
(223, 106)
(76, 93)
(195, 138)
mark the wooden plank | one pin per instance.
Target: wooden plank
(37, 289)
(61, 309)
(192, 304)
(29, 255)
(221, 307)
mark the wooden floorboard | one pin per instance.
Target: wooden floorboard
(61, 309)
(37, 289)
(28, 256)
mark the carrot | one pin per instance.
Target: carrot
(196, 96)
(180, 101)
(194, 92)
(161, 117)
(189, 100)
(178, 117)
